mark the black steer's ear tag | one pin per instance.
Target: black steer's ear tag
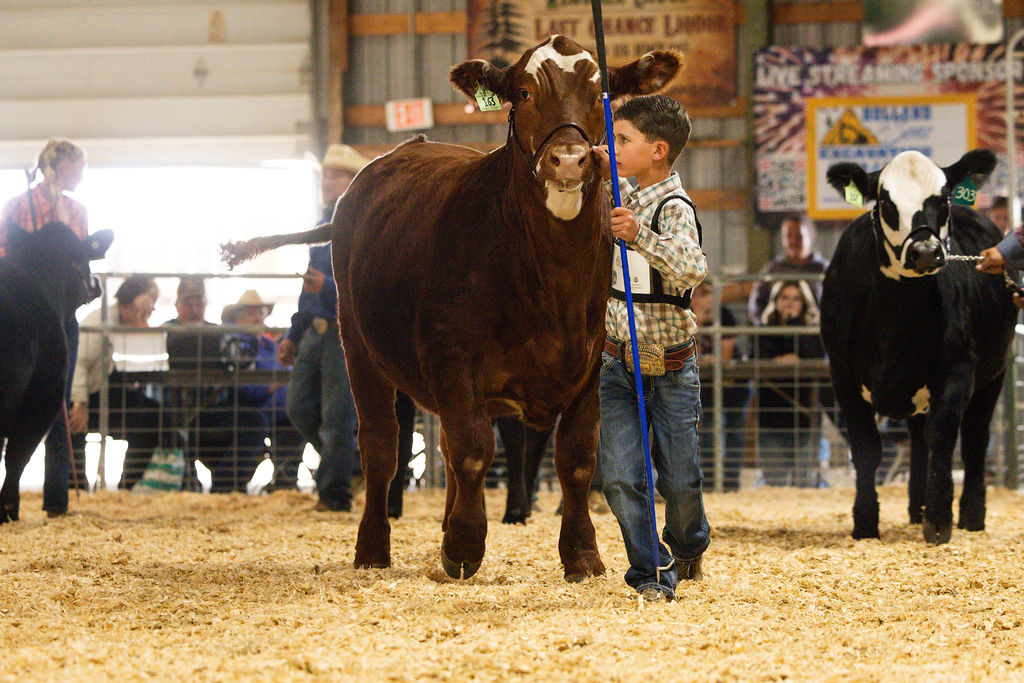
(965, 193)
(486, 100)
(853, 195)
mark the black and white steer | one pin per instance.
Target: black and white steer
(44, 278)
(910, 337)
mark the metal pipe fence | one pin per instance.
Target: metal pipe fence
(769, 416)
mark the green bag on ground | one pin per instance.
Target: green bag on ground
(165, 472)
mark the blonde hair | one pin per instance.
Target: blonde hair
(56, 151)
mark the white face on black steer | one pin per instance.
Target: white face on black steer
(910, 196)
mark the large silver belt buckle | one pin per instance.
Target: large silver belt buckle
(652, 358)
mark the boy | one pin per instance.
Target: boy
(667, 262)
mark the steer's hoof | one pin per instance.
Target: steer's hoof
(972, 517)
(458, 570)
(372, 560)
(865, 531)
(936, 535)
(515, 517)
(583, 568)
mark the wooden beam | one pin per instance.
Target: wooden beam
(445, 114)
(398, 24)
(377, 150)
(720, 200)
(730, 199)
(817, 13)
(455, 114)
(441, 22)
(337, 64)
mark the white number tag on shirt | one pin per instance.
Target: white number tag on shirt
(639, 272)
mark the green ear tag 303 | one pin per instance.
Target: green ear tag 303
(965, 193)
(486, 100)
(853, 195)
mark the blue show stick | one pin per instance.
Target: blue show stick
(638, 378)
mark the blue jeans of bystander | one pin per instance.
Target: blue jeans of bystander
(57, 457)
(321, 407)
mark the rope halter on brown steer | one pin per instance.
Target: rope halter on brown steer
(533, 158)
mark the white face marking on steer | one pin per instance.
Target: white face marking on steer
(865, 393)
(921, 400)
(565, 62)
(910, 178)
(564, 204)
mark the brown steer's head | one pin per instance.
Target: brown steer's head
(557, 114)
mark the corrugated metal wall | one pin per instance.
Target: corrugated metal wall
(154, 81)
(389, 67)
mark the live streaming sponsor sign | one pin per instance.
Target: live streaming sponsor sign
(813, 108)
(872, 130)
(703, 30)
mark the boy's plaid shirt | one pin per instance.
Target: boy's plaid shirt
(675, 253)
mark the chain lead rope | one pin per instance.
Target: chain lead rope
(1006, 276)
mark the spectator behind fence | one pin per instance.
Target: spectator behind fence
(228, 441)
(735, 395)
(999, 213)
(320, 402)
(133, 416)
(251, 351)
(62, 164)
(788, 434)
(798, 257)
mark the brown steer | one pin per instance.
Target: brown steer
(477, 284)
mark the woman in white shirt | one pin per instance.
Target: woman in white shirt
(134, 416)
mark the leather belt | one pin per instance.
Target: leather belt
(674, 358)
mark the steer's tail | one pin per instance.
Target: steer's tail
(234, 253)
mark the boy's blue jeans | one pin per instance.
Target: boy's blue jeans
(673, 405)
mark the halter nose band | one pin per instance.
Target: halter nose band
(917, 234)
(533, 158)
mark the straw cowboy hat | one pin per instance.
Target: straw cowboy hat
(345, 158)
(248, 299)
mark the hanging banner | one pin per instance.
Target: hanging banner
(814, 107)
(871, 130)
(703, 30)
(913, 22)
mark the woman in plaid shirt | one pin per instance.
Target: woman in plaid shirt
(650, 132)
(61, 162)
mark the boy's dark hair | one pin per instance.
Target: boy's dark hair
(658, 117)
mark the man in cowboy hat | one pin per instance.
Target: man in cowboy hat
(320, 401)
(258, 351)
(250, 309)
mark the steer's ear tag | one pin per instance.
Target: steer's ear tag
(487, 100)
(965, 193)
(853, 195)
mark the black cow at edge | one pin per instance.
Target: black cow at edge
(912, 337)
(44, 278)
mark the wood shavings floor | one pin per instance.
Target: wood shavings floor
(191, 587)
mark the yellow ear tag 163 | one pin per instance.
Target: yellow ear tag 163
(853, 195)
(486, 100)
